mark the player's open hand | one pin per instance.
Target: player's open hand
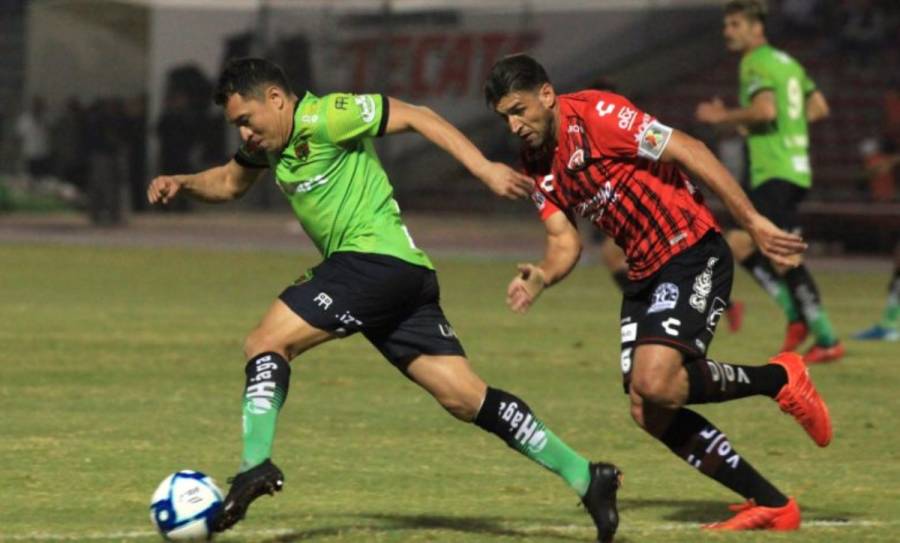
(163, 189)
(781, 247)
(711, 112)
(525, 288)
(506, 182)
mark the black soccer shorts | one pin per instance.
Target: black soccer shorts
(778, 200)
(681, 304)
(395, 304)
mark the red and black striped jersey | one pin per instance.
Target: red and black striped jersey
(606, 168)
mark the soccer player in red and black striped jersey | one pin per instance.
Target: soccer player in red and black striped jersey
(596, 155)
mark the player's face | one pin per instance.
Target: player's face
(530, 115)
(738, 31)
(260, 120)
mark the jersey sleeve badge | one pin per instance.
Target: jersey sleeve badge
(653, 140)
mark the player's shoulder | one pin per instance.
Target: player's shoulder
(586, 100)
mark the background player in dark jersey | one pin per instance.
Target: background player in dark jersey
(373, 279)
(888, 328)
(777, 101)
(596, 155)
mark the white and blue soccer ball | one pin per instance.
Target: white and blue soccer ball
(183, 506)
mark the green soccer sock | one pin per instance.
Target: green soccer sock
(892, 309)
(786, 302)
(510, 419)
(765, 275)
(268, 378)
(806, 293)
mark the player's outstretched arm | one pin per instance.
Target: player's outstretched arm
(218, 184)
(500, 178)
(691, 154)
(816, 107)
(560, 256)
(761, 110)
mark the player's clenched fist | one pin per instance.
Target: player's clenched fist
(163, 189)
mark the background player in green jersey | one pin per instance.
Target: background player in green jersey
(777, 101)
(373, 279)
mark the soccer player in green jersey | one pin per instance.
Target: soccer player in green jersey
(373, 279)
(777, 101)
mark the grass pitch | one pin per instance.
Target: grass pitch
(120, 366)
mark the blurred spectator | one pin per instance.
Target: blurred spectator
(881, 159)
(134, 137)
(69, 140)
(177, 138)
(801, 17)
(107, 168)
(34, 139)
(863, 30)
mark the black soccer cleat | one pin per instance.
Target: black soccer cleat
(246, 486)
(600, 499)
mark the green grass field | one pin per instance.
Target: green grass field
(120, 366)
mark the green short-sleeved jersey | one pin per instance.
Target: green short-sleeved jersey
(334, 181)
(778, 149)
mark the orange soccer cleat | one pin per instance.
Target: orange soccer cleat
(756, 517)
(800, 398)
(795, 335)
(819, 354)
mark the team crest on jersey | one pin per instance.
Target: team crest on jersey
(366, 107)
(302, 150)
(576, 160)
(664, 297)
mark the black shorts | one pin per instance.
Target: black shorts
(681, 304)
(778, 200)
(395, 304)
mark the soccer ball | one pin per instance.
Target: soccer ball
(183, 505)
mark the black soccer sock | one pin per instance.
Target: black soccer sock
(806, 295)
(711, 382)
(760, 268)
(621, 278)
(705, 447)
(510, 419)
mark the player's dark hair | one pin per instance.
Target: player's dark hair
(248, 77)
(513, 73)
(753, 10)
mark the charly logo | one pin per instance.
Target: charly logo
(703, 286)
(664, 297)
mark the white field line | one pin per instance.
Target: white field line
(632, 527)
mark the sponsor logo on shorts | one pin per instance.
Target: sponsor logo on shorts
(715, 313)
(703, 286)
(671, 325)
(629, 332)
(664, 297)
(323, 300)
(447, 330)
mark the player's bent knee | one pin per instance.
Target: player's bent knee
(459, 406)
(653, 388)
(259, 341)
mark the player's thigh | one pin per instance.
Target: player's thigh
(451, 381)
(283, 331)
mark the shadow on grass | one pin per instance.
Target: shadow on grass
(479, 527)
